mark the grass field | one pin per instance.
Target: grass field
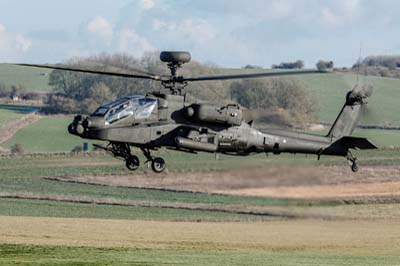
(33, 79)
(169, 227)
(381, 138)
(28, 176)
(34, 176)
(9, 113)
(47, 208)
(47, 135)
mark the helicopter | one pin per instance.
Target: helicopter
(167, 119)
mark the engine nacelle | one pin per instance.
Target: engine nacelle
(229, 114)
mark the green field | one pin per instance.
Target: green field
(28, 175)
(9, 113)
(46, 208)
(171, 229)
(46, 135)
(33, 177)
(33, 79)
(25, 255)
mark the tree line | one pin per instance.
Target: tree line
(18, 91)
(389, 61)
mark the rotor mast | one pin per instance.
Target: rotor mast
(176, 84)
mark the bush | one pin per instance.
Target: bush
(58, 103)
(77, 148)
(4, 91)
(290, 65)
(17, 90)
(17, 148)
(324, 65)
(33, 96)
(252, 67)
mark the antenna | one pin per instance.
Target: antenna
(359, 63)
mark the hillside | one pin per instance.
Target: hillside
(33, 79)
(330, 90)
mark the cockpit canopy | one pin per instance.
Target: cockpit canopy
(138, 107)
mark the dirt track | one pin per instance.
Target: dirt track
(293, 182)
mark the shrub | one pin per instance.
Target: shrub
(77, 148)
(323, 65)
(17, 148)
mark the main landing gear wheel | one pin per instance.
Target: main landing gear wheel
(158, 165)
(132, 163)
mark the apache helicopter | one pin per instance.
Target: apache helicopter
(168, 120)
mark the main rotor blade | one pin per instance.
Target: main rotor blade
(115, 74)
(136, 70)
(253, 75)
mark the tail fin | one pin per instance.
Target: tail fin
(350, 114)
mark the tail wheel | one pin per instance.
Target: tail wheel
(158, 165)
(132, 163)
(354, 167)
